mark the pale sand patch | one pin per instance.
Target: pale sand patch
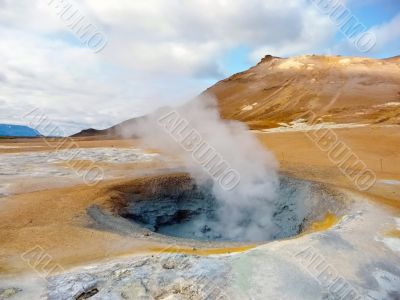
(389, 181)
(247, 108)
(290, 64)
(301, 125)
(392, 243)
(33, 171)
(388, 104)
(345, 61)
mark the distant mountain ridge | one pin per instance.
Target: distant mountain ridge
(10, 130)
(109, 132)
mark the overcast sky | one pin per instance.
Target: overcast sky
(159, 52)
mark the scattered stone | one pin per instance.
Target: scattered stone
(178, 261)
(169, 264)
(10, 292)
(205, 229)
(121, 273)
(141, 263)
(88, 294)
(167, 276)
(135, 291)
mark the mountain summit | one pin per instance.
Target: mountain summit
(335, 88)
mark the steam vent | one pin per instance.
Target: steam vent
(177, 207)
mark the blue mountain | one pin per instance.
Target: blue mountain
(18, 131)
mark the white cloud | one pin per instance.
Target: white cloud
(34, 15)
(387, 33)
(159, 52)
(189, 36)
(387, 41)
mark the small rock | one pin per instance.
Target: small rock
(169, 264)
(121, 273)
(205, 229)
(140, 263)
(87, 294)
(7, 293)
(135, 291)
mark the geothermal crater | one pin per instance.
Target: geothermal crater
(176, 206)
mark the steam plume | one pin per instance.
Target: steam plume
(245, 210)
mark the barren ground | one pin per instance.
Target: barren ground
(56, 220)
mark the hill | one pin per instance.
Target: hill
(337, 89)
(17, 131)
(109, 132)
(282, 90)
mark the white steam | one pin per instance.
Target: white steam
(245, 210)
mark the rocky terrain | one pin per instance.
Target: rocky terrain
(337, 89)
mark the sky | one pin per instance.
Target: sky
(158, 52)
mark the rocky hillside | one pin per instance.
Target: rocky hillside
(280, 90)
(109, 132)
(337, 89)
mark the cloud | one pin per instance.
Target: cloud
(184, 36)
(158, 53)
(3, 78)
(388, 35)
(387, 41)
(33, 16)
